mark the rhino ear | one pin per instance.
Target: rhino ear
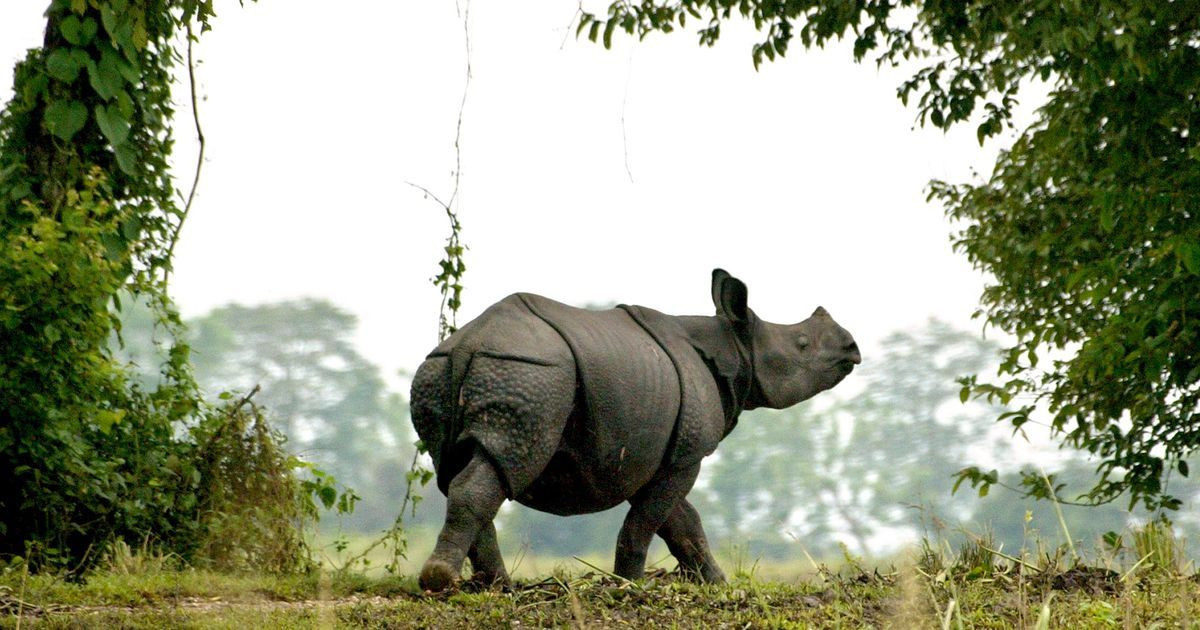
(729, 296)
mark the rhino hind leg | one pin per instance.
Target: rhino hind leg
(474, 496)
(515, 411)
(649, 510)
(686, 540)
(487, 565)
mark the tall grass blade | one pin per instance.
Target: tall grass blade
(949, 615)
(1062, 522)
(1043, 621)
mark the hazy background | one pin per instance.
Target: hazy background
(805, 179)
(591, 176)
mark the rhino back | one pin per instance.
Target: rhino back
(702, 421)
(625, 414)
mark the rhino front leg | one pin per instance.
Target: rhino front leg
(486, 561)
(650, 509)
(686, 540)
(473, 498)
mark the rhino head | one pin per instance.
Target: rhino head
(791, 362)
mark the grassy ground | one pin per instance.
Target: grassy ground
(523, 562)
(927, 593)
(1141, 580)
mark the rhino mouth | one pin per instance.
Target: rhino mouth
(844, 366)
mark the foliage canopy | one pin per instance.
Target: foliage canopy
(1087, 225)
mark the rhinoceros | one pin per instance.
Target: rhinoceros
(572, 411)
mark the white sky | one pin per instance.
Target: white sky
(805, 179)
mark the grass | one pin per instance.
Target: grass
(902, 599)
(976, 586)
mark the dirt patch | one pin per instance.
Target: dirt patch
(1092, 580)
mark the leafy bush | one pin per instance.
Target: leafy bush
(253, 506)
(91, 456)
(87, 457)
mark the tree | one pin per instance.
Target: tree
(762, 487)
(1087, 225)
(87, 210)
(301, 353)
(92, 455)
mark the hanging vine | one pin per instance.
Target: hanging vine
(451, 266)
(449, 282)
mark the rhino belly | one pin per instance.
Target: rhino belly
(575, 483)
(601, 462)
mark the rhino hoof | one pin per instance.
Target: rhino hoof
(436, 576)
(490, 580)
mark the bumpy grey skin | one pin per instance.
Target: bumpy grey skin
(572, 411)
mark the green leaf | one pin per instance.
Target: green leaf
(125, 104)
(114, 247)
(34, 88)
(112, 124)
(63, 65)
(76, 31)
(1108, 219)
(73, 218)
(126, 158)
(1189, 256)
(109, 17)
(85, 32)
(108, 76)
(106, 418)
(328, 496)
(65, 118)
(1183, 467)
(130, 70)
(139, 36)
(131, 228)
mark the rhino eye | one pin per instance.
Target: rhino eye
(802, 342)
